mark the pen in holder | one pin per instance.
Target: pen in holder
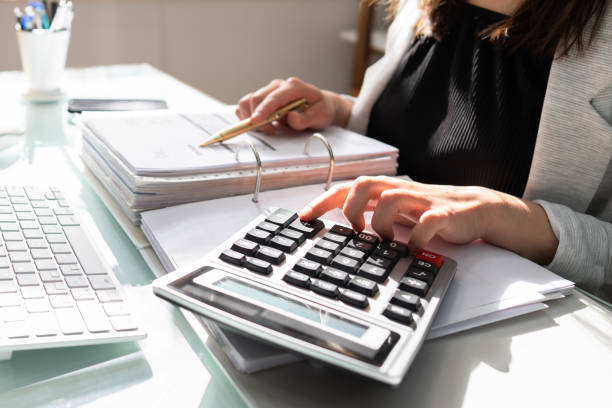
(43, 57)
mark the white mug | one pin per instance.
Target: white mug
(43, 57)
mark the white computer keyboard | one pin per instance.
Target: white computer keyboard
(320, 289)
(55, 290)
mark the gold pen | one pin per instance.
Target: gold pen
(246, 126)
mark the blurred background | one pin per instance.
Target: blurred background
(224, 48)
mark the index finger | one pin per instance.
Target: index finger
(282, 96)
(331, 199)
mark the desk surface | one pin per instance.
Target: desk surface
(557, 357)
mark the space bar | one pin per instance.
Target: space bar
(84, 251)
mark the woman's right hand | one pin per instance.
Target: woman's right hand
(325, 107)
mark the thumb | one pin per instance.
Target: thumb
(313, 117)
(430, 223)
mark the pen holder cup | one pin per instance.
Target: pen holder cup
(43, 57)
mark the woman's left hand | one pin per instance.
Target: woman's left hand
(457, 214)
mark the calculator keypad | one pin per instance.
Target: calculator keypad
(342, 264)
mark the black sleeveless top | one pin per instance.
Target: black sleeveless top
(463, 110)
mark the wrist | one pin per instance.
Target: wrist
(341, 108)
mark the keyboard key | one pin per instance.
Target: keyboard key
(83, 294)
(19, 257)
(15, 246)
(37, 305)
(25, 216)
(334, 276)
(346, 264)
(268, 226)
(45, 264)
(342, 230)
(297, 278)
(32, 292)
(71, 270)
(50, 276)
(94, 316)
(15, 191)
(33, 193)
(61, 249)
(70, 321)
(390, 254)
(115, 309)
(7, 218)
(297, 236)
(123, 323)
(43, 212)
(310, 268)
(360, 245)
(51, 229)
(372, 272)
(13, 314)
(330, 246)
(26, 225)
(24, 267)
(257, 265)
(8, 286)
(9, 226)
(284, 244)
(232, 257)
(61, 301)
(408, 300)
(399, 314)
(415, 286)
(420, 275)
(354, 299)
(362, 285)
(425, 265)
(16, 330)
(4, 262)
(337, 238)
(12, 236)
(369, 238)
(33, 234)
(432, 257)
(77, 282)
(27, 279)
(47, 222)
(319, 255)
(5, 274)
(380, 262)
(55, 288)
(309, 228)
(99, 282)
(63, 211)
(63, 259)
(19, 200)
(39, 204)
(106, 296)
(324, 288)
(353, 253)
(258, 235)
(272, 255)
(41, 254)
(401, 249)
(37, 243)
(56, 239)
(282, 217)
(245, 247)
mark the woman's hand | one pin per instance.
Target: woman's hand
(326, 107)
(457, 214)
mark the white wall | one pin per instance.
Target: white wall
(222, 47)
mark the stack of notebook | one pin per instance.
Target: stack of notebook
(148, 160)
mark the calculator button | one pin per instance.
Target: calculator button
(342, 230)
(272, 255)
(415, 286)
(369, 238)
(330, 246)
(324, 288)
(307, 267)
(334, 276)
(398, 313)
(353, 253)
(363, 285)
(337, 238)
(425, 265)
(284, 244)
(282, 217)
(297, 279)
(298, 236)
(354, 299)
(360, 245)
(345, 263)
(310, 228)
(390, 254)
(245, 247)
(268, 226)
(372, 272)
(258, 265)
(380, 262)
(319, 255)
(420, 275)
(408, 300)
(401, 249)
(258, 235)
(430, 257)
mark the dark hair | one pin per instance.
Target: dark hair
(544, 26)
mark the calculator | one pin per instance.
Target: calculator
(321, 289)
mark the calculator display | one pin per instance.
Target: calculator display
(299, 309)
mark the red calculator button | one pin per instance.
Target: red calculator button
(430, 257)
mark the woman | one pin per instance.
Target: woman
(502, 113)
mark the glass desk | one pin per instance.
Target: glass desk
(171, 367)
